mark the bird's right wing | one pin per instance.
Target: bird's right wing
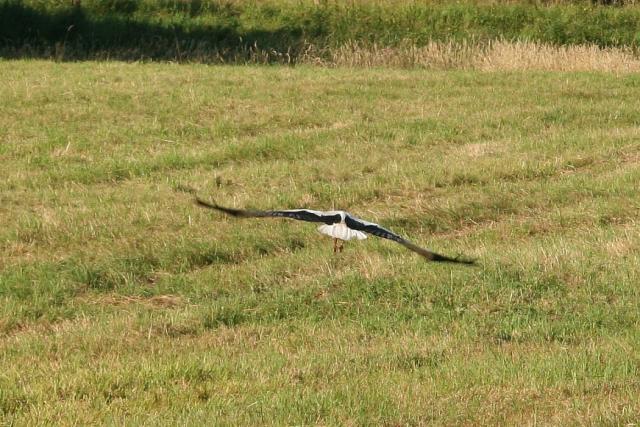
(299, 214)
(376, 230)
(432, 256)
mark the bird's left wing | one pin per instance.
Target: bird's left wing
(299, 214)
(376, 230)
(371, 228)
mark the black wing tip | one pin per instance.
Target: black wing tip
(436, 257)
(238, 213)
(457, 260)
(206, 204)
(214, 205)
(466, 261)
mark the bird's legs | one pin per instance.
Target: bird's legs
(337, 247)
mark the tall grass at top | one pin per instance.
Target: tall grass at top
(233, 31)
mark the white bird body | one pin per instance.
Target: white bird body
(339, 230)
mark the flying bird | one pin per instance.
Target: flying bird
(340, 225)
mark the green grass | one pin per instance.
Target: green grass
(288, 31)
(123, 302)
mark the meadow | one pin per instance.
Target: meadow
(121, 302)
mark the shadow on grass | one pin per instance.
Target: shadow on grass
(75, 33)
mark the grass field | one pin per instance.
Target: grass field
(122, 302)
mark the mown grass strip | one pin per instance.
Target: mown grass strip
(123, 302)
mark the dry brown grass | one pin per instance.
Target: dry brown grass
(544, 57)
(493, 56)
(160, 301)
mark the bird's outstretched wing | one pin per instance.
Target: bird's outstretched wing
(376, 230)
(299, 214)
